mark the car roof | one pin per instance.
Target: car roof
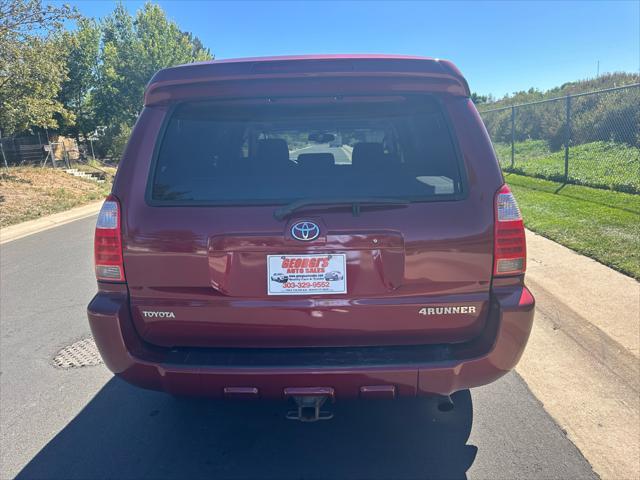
(167, 81)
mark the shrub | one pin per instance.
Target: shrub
(112, 142)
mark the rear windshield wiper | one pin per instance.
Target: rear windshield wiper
(355, 202)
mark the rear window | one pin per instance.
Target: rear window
(279, 151)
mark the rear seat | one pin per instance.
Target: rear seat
(272, 156)
(316, 162)
(370, 156)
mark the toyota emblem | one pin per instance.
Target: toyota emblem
(305, 231)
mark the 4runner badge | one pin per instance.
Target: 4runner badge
(446, 310)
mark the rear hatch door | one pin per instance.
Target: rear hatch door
(209, 265)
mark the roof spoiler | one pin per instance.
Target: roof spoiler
(276, 76)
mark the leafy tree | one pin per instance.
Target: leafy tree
(117, 79)
(32, 64)
(19, 18)
(89, 79)
(477, 99)
(82, 66)
(132, 51)
(112, 140)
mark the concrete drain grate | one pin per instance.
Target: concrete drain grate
(82, 353)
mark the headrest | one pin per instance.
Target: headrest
(367, 153)
(273, 150)
(316, 160)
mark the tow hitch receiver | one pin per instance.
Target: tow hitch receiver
(309, 410)
(309, 402)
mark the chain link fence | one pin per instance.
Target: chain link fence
(37, 149)
(589, 138)
(43, 149)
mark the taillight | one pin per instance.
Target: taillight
(509, 246)
(108, 242)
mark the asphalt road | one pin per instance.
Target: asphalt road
(83, 423)
(340, 155)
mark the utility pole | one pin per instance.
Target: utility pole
(6, 165)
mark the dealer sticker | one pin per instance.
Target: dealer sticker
(306, 274)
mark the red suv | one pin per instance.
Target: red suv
(313, 228)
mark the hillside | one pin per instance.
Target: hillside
(608, 80)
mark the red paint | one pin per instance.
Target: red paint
(481, 361)
(305, 75)
(207, 264)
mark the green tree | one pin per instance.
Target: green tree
(478, 99)
(82, 66)
(114, 97)
(32, 64)
(132, 51)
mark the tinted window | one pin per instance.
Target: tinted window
(272, 153)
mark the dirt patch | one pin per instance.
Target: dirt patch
(32, 192)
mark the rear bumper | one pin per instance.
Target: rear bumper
(354, 372)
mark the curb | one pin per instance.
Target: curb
(24, 229)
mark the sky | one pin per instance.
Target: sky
(501, 47)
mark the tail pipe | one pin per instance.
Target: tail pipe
(445, 403)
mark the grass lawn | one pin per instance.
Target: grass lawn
(599, 164)
(31, 192)
(600, 224)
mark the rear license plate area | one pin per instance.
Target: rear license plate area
(316, 274)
